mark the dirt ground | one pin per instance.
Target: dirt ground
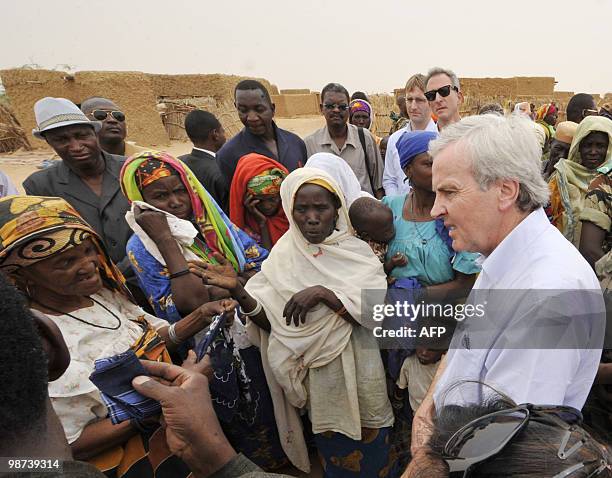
(20, 164)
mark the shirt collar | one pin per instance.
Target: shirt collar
(213, 154)
(504, 257)
(351, 136)
(431, 126)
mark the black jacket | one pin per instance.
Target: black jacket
(206, 169)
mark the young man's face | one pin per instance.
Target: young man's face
(254, 111)
(418, 108)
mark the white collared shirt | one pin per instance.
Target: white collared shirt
(214, 155)
(393, 175)
(548, 286)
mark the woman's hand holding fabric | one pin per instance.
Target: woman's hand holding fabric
(210, 309)
(154, 223)
(220, 275)
(300, 304)
(250, 203)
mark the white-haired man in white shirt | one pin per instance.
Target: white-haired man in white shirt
(544, 345)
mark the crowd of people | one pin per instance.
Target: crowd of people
(214, 314)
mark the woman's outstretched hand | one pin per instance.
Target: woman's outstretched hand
(220, 275)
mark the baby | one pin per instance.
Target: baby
(373, 223)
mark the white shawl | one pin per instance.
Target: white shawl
(342, 263)
(339, 170)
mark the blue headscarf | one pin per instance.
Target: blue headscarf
(412, 143)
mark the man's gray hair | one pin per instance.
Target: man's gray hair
(441, 71)
(500, 148)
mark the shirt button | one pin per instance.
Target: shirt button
(114, 243)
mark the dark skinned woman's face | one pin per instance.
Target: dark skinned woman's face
(170, 195)
(315, 211)
(72, 272)
(419, 171)
(593, 149)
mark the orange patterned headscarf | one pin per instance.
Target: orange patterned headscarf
(34, 228)
(150, 171)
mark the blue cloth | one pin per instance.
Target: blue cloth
(430, 263)
(215, 327)
(242, 400)
(291, 150)
(154, 280)
(402, 290)
(344, 457)
(113, 377)
(413, 143)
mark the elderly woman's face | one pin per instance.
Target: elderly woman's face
(593, 149)
(72, 272)
(170, 195)
(361, 119)
(315, 212)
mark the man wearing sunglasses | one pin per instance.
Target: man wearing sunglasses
(580, 106)
(86, 176)
(539, 339)
(114, 128)
(444, 96)
(355, 145)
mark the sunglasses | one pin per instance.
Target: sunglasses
(486, 436)
(341, 106)
(443, 91)
(101, 115)
(589, 112)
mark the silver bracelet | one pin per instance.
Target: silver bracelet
(255, 311)
(172, 334)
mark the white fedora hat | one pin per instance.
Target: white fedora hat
(52, 113)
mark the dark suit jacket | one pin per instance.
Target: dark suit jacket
(205, 167)
(291, 150)
(105, 213)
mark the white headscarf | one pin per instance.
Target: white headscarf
(338, 169)
(342, 263)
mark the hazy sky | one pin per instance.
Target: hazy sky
(370, 45)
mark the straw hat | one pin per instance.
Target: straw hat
(53, 113)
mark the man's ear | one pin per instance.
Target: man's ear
(273, 106)
(54, 345)
(508, 193)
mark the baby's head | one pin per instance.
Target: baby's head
(372, 220)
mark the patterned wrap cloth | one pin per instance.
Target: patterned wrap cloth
(570, 181)
(34, 228)
(214, 225)
(256, 175)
